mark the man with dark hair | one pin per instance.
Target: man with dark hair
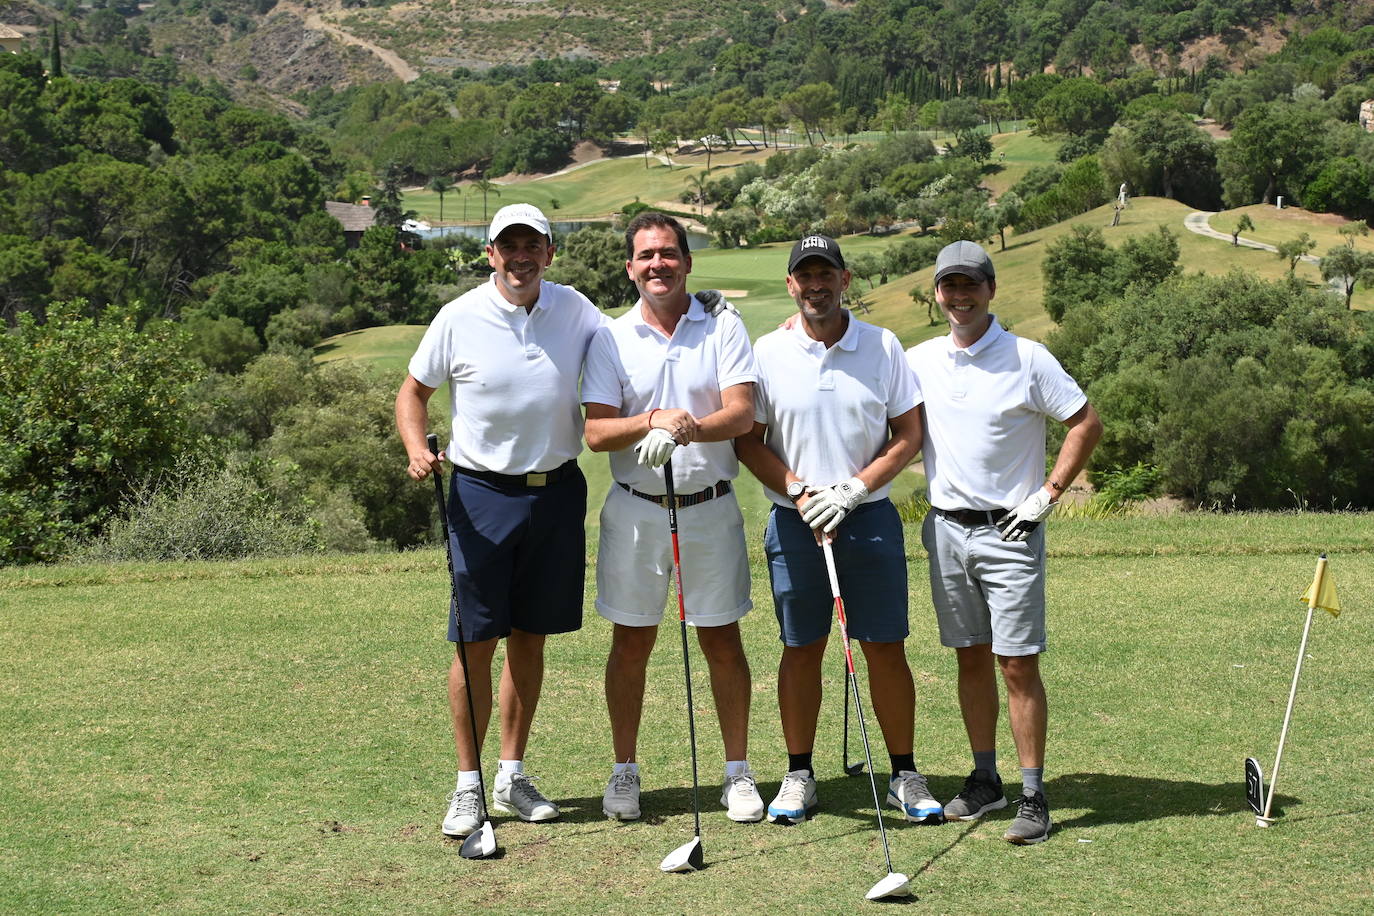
(837, 417)
(987, 396)
(668, 379)
(510, 351)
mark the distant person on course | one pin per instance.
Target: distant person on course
(837, 418)
(987, 396)
(668, 380)
(511, 352)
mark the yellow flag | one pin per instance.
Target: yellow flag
(1322, 592)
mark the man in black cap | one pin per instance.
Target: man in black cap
(837, 416)
(987, 396)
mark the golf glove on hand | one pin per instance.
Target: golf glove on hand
(656, 448)
(829, 506)
(715, 303)
(1017, 524)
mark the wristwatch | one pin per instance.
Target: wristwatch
(796, 489)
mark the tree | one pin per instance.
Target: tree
(1244, 224)
(1075, 107)
(1345, 265)
(88, 406)
(866, 266)
(1294, 250)
(484, 187)
(1006, 212)
(440, 185)
(1272, 145)
(812, 104)
(731, 226)
(697, 184)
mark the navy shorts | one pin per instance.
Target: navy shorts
(870, 558)
(519, 556)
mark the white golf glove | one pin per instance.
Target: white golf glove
(715, 302)
(830, 505)
(655, 448)
(1017, 524)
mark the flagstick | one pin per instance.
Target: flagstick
(1265, 819)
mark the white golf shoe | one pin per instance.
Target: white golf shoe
(621, 801)
(796, 798)
(515, 793)
(464, 812)
(909, 794)
(740, 796)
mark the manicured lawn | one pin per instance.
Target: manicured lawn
(271, 737)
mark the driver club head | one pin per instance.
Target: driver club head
(854, 769)
(894, 885)
(480, 844)
(687, 857)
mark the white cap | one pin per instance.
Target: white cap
(519, 215)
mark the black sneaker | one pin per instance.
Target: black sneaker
(1032, 823)
(982, 793)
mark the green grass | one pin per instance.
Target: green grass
(271, 737)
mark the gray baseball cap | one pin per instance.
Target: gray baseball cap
(519, 215)
(816, 246)
(967, 258)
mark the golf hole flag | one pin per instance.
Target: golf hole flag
(1320, 594)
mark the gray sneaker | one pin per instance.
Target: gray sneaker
(796, 798)
(464, 812)
(621, 800)
(982, 793)
(740, 795)
(1032, 823)
(515, 793)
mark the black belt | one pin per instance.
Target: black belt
(690, 499)
(972, 518)
(533, 479)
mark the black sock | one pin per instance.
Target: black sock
(902, 762)
(800, 762)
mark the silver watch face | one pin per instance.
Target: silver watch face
(795, 489)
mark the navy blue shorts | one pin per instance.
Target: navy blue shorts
(519, 556)
(870, 558)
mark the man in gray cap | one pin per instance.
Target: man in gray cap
(987, 396)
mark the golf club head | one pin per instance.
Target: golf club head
(480, 844)
(854, 769)
(894, 885)
(687, 857)
(1254, 785)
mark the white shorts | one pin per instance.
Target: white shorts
(634, 567)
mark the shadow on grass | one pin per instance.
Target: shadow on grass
(1111, 798)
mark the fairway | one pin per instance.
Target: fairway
(271, 737)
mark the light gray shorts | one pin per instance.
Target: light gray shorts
(985, 589)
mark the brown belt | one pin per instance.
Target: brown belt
(691, 499)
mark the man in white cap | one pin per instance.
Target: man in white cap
(669, 380)
(987, 396)
(837, 417)
(511, 352)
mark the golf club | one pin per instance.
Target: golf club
(857, 766)
(689, 856)
(480, 844)
(895, 884)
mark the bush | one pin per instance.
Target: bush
(199, 512)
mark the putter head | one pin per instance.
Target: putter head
(894, 885)
(480, 844)
(687, 857)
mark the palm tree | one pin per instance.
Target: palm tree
(486, 187)
(696, 190)
(441, 186)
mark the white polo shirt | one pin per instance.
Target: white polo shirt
(827, 409)
(512, 376)
(985, 416)
(634, 368)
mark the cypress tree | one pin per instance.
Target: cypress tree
(56, 69)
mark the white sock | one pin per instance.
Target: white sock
(631, 767)
(736, 767)
(467, 778)
(511, 766)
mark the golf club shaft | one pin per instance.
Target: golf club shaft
(433, 442)
(854, 689)
(682, 625)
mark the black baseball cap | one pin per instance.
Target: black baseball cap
(816, 246)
